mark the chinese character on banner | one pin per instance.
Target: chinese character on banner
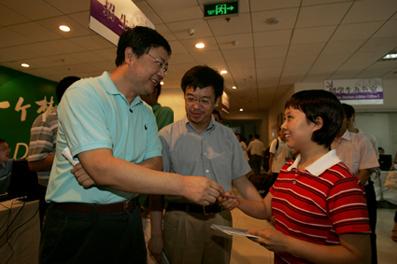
(20, 107)
(4, 105)
(44, 104)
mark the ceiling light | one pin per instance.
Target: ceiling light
(25, 65)
(392, 55)
(64, 28)
(234, 87)
(200, 45)
(271, 21)
(161, 83)
(241, 109)
(223, 72)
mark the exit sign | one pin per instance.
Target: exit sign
(220, 9)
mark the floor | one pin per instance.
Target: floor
(246, 252)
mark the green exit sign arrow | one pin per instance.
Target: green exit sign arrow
(220, 9)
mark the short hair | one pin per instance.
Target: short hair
(319, 103)
(202, 76)
(348, 111)
(140, 39)
(63, 85)
(2, 141)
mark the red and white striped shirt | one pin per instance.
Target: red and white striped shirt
(317, 204)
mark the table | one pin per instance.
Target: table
(383, 193)
(19, 231)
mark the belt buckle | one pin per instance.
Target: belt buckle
(205, 213)
(126, 205)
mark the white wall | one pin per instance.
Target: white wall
(382, 127)
(275, 113)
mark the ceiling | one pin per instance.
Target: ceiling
(314, 40)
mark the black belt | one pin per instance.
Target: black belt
(195, 208)
(99, 208)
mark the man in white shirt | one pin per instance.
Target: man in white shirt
(279, 155)
(256, 149)
(359, 155)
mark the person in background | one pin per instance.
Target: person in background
(316, 207)
(199, 145)
(43, 135)
(5, 166)
(217, 115)
(359, 155)
(93, 214)
(279, 155)
(164, 114)
(351, 126)
(243, 145)
(256, 149)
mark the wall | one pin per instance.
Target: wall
(382, 127)
(275, 116)
(20, 96)
(389, 94)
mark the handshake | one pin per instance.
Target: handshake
(204, 191)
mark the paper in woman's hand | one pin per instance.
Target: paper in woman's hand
(233, 231)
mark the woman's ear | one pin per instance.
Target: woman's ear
(318, 123)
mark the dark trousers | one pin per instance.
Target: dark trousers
(371, 204)
(269, 181)
(256, 162)
(76, 237)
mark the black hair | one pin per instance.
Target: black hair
(319, 103)
(2, 141)
(202, 76)
(348, 111)
(140, 39)
(63, 85)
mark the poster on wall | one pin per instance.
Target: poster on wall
(109, 18)
(357, 91)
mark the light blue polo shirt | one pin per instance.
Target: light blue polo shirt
(94, 114)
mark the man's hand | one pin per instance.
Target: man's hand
(229, 200)
(82, 176)
(155, 246)
(200, 189)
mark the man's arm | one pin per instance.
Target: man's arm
(363, 175)
(271, 156)
(105, 170)
(42, 165)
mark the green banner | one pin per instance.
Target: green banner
(22, 98)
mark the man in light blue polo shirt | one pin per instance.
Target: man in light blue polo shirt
(93, 216)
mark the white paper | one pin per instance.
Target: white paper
(68, 155)
(233, 231)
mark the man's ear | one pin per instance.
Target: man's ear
(129, 55)
(318, 123)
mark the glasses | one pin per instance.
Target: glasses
(161, 64)
(204, 101)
